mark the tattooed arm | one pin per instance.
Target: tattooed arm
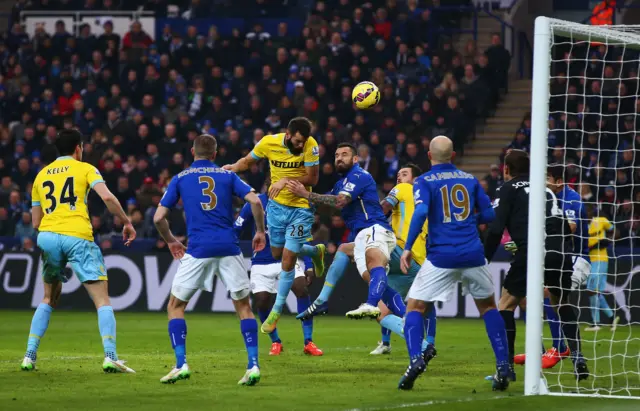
(339, 201)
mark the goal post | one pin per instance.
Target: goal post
(613, 357)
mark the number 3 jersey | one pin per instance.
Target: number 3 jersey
(61, 189)
(207, 193)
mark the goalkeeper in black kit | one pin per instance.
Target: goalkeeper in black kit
(512, 212)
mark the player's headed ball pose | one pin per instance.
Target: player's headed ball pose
(293, 156)
(207, 193)
(60, 214)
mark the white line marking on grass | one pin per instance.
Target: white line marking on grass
(159, 354)
(424, 404)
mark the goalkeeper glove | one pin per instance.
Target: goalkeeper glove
(511, 247)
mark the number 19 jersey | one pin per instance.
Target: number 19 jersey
(61, 189)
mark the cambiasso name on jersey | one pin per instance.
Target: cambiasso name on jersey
(287, 164)
(448, 175)
(202, 170)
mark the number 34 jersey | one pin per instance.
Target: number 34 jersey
(61, 189)
(207, 193)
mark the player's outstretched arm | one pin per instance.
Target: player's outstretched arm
(241, 165)
(337, 201)
(114, 207)
(162, 225)
(259, 240)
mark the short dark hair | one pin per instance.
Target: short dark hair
(68, 140)
(556, 171)
(300, 125)
(518, 163)
(354, 151)
(205, 145)
(415, 170)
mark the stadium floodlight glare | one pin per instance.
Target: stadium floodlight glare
(613, 356)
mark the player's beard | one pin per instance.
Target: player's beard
(342, 167)
(291, 148)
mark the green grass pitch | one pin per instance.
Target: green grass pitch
(345, 378)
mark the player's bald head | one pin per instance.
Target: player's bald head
(205, 147)
(441, 149)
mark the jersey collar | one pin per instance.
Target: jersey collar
(198, 163)
(444, 166)
(64, 158)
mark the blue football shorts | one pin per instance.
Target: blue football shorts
(289, 226)
(59, 250)
(597, 280)
(396, 279)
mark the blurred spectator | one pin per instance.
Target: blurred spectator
(24, 227)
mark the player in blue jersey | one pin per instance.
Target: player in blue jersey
(265, 271)
(207, 193)
(356, 195)
(449, 198)
(573, 208)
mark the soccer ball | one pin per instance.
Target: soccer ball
(365, 95)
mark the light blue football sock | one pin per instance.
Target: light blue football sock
(595, 311)
(39, 325)
(393, 323)
(602, 303)
(336, 271)
(107, 326)
(284, 287)
(309, 250)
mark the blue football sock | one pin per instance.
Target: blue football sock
(414, 334)
(595, 311)
(309, 250)
(284, 287)
(275, 338)
(178, 337)
(554, 326)
(497, 333)
(430, 325)
(386, 336)
(107, 326)
(393, 300)
(335, 273)
(307, 325)
(39, 324)
(377, 285)
(602, 303)
(393, 323)
(249, 329)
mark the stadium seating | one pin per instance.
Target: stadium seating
(141, 102)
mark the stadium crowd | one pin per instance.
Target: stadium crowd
(141, 102)
(593, 131)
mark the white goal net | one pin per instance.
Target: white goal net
(586, 118)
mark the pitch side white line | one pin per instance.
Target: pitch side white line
(423, 404)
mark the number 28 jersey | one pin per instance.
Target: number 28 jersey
(61, 189)
(207, 193)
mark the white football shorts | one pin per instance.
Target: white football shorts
(376, 237)
(439, 284)
(197, 274)
(264, 278)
